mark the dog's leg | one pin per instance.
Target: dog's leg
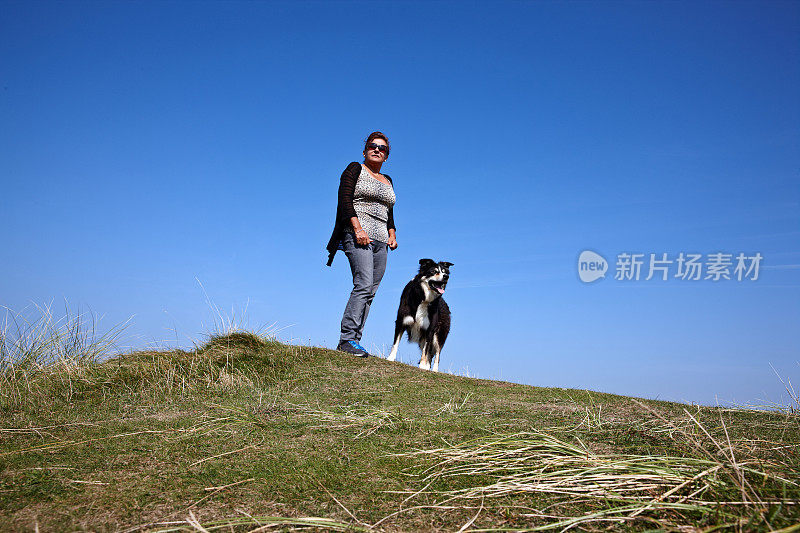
(398, 334)
(437, 350)
(424, 360)
(400, 327)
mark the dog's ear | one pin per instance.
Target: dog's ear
(425, 263)
(446, 264)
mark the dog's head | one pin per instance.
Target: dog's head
(434, 274)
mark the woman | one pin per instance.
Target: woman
(364, 229)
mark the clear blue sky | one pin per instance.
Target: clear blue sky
(145, 145)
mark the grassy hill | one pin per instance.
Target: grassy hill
(246, 432)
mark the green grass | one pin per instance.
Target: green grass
(246, 432)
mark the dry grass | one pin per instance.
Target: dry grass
(34, 339)
(672, 491)
(253, 524)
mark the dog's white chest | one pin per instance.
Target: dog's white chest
(421, 322)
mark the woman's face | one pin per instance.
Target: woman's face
(375, 155)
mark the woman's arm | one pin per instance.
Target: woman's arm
(347, 185)
(390, 221)
(361, 234)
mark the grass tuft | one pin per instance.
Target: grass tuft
(37, 338)
(240, 341)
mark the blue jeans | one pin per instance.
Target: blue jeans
(367, 263)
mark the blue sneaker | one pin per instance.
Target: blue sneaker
(352, 347)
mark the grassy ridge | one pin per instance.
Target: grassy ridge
(246, 431)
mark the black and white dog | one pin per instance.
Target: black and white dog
(424, 314)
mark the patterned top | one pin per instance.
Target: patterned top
(371, 200)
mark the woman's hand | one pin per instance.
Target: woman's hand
(392, 240)
(362, 238)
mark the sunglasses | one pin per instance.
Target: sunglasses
(382, 147)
